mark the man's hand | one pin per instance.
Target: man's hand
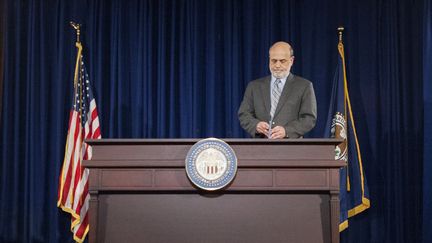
(278, 132)
(263, 128)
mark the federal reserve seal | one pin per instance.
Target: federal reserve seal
(211, 164)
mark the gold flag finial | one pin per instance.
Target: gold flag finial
(340, 30)
(77, 28)
(78, 60)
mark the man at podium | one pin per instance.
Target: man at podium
(281, 105)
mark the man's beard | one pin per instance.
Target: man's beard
(279, 74)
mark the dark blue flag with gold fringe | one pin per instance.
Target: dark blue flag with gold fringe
(354, 193)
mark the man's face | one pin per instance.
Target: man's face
(280, 61)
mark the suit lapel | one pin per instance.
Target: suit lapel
(285, 93)
(265, 89)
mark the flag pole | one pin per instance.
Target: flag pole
(346, 94)
(77, 28)
(78, 60)
(340, 30)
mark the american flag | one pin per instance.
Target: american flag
(73, 196)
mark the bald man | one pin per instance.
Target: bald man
(281, 105)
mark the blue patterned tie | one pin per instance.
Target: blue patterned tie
(276, 93)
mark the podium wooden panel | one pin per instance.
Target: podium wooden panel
(284, 191)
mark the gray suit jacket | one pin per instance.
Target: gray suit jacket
(296, 110)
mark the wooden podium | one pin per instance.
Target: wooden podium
(284, 191)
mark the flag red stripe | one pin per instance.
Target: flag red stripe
(80, 233)
(68, 179)
(76, 154)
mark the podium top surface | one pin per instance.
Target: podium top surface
(117, 141)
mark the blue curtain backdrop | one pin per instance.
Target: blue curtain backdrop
(2, 21)
(178, 69)
(427, 82)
